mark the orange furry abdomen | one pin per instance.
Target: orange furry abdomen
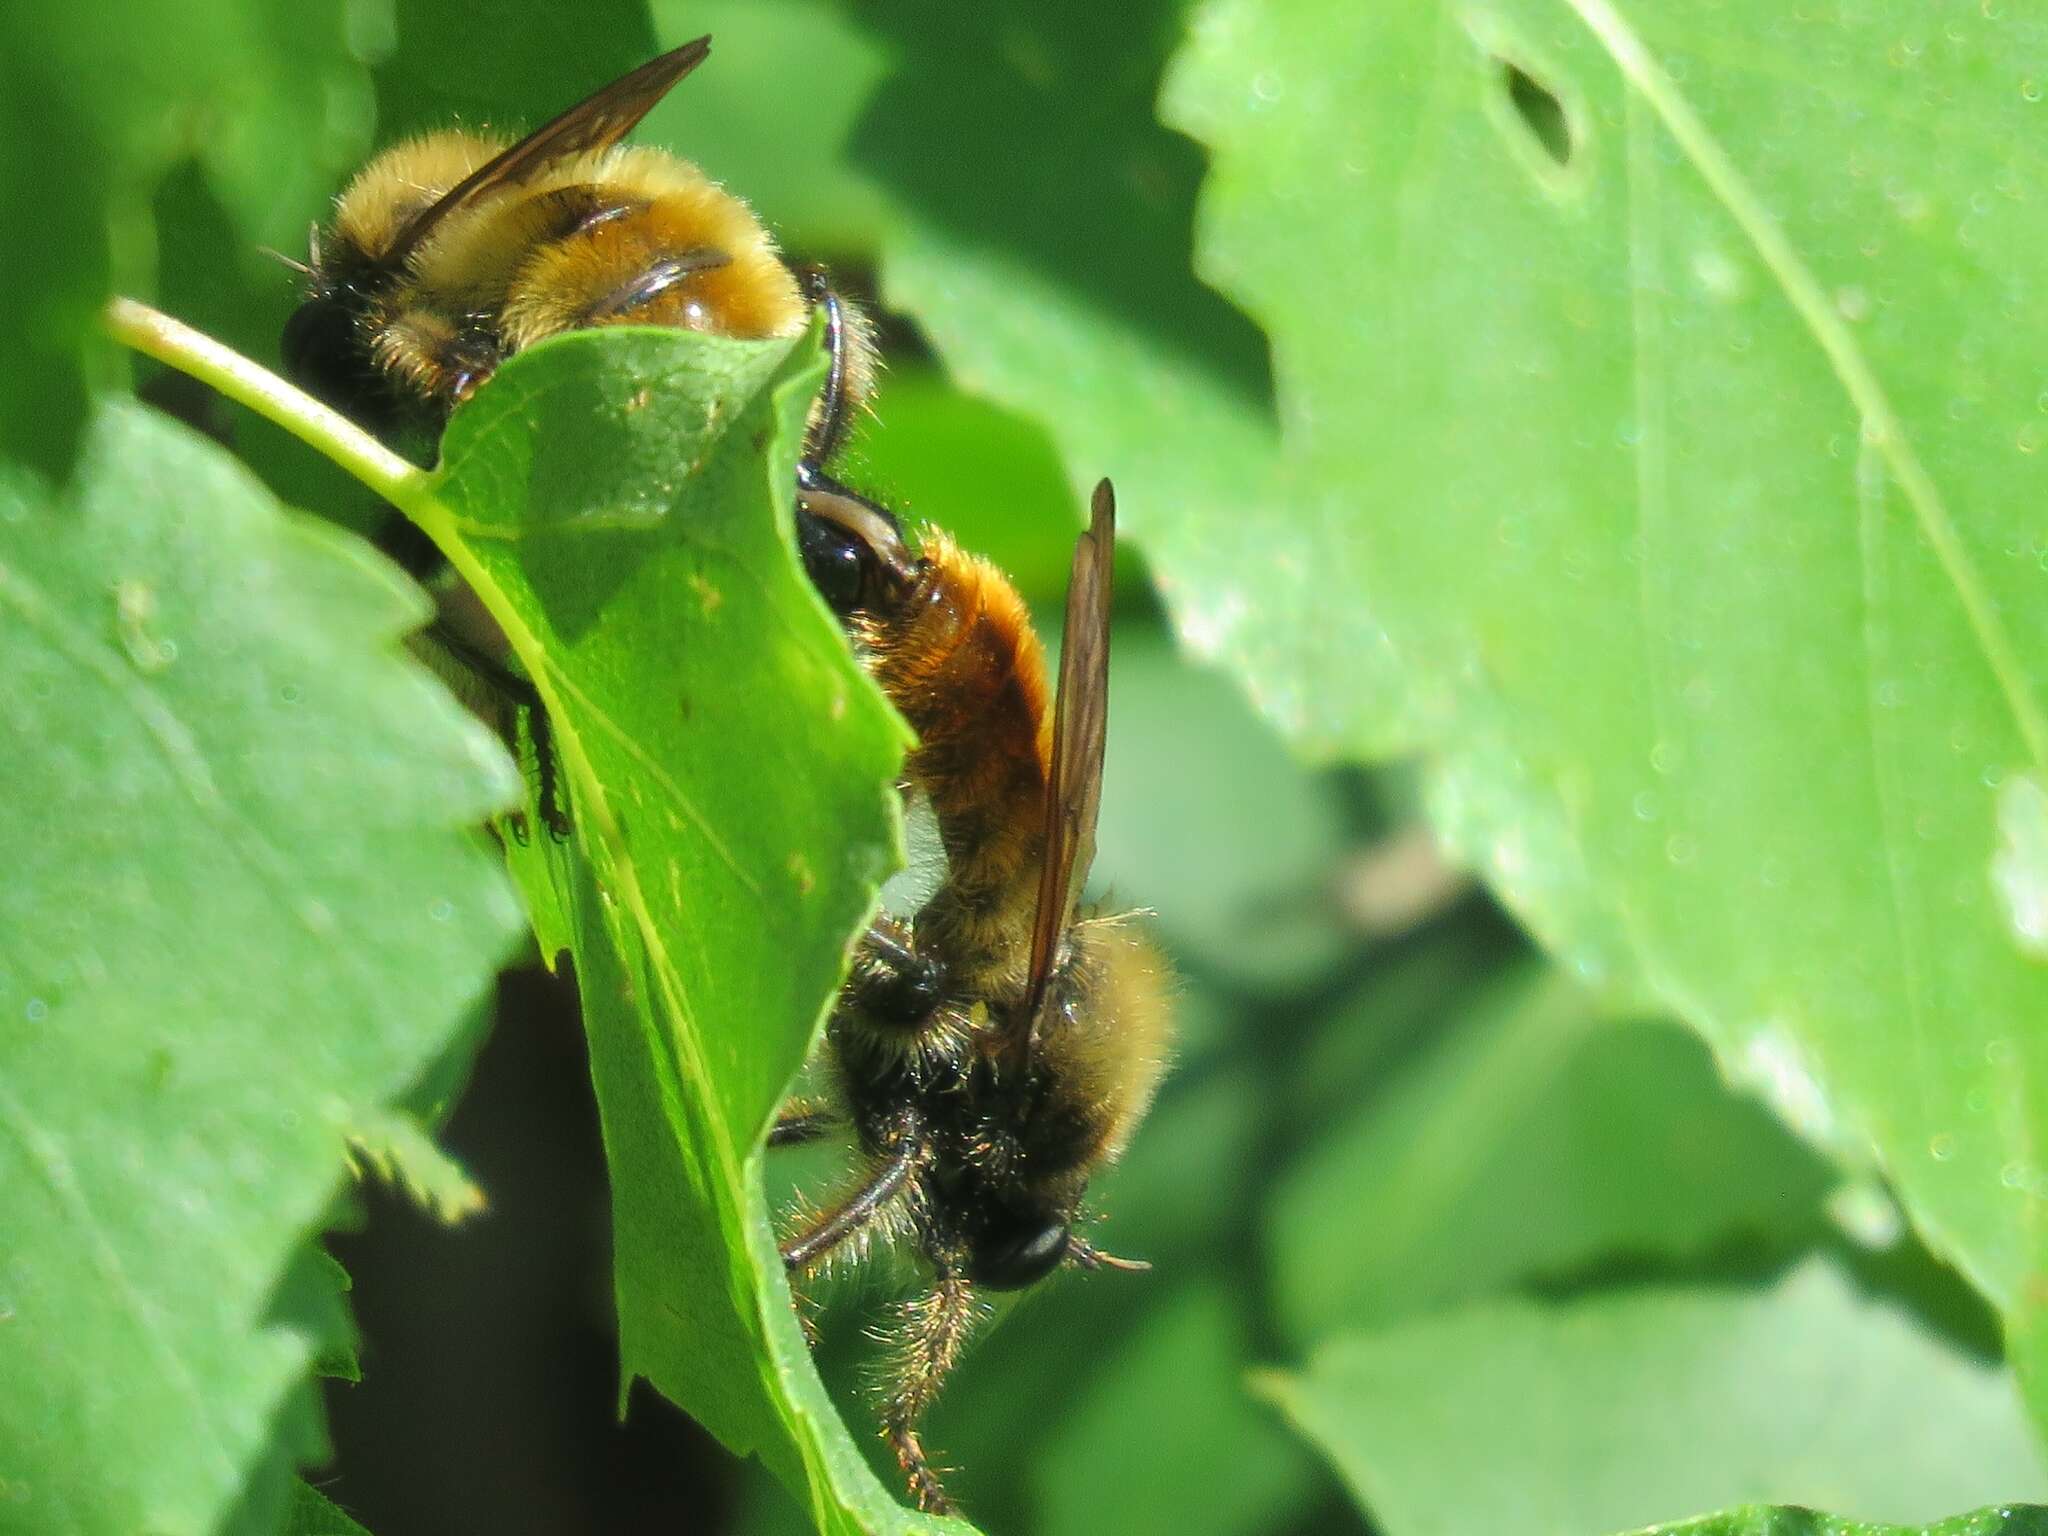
(960, 661)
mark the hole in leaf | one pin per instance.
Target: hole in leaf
(1540, 111)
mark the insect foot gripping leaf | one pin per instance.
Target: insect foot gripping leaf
(244, 908)
(622, 502)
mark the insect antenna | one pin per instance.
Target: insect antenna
(1087, 1256)
(304, 269)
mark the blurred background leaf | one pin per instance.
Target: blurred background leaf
(98, 107)
(1533, 1140)
(1711, 562)
(1764, 1520)
(1606, 1412)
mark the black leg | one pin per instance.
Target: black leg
(518, 694)
(800, 1122)
(854, 1213)
(830, 427)
(893, 982)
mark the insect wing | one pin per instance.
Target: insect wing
(1080, 726)
(596, 122)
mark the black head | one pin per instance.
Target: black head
(320, 345)
(852, 547)
(836, 562)
(324, 354)
(1018, 1249)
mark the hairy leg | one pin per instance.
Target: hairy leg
(934, 1330)
(799, 1121)
(518, 695)
(850, 351)
(858, 1211)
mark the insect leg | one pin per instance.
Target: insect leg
(935, 1329)
(857, 1210)
(852, 547)
(800, 1121)
(517, 693)
(829, 428)
(892, 981)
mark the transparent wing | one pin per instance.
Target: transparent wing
(1080, 725)
(596, 122)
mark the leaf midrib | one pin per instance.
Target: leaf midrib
(1882, 427)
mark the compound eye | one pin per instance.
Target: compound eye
(835, 561)
(321, 352)
(316, 342)
(1011, 1257)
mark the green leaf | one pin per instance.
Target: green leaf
(770, 113)
(49, 162)
(338, 1356)
(397, 1144)
(1766, 1520)
(95, 105)
(1692, 481)
(1620, 1409)
(1180, 1371)
(1533, 1138)
(245, 911)
(398, 1149)
(1061, 288)
(622, 502)
(2020, 867)
(314, 1514)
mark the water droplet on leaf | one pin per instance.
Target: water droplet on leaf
(2019, 869)
(1776, 1065)
(1866, 1214)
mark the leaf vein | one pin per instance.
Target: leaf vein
(1870, 478)
(1882, 425)
(653, 769)
(180, 749)
(47, 1159)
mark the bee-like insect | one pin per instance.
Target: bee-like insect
(450, 252)
(991, 1051)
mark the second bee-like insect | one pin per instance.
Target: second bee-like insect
(995, 1049)
(449, 252)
